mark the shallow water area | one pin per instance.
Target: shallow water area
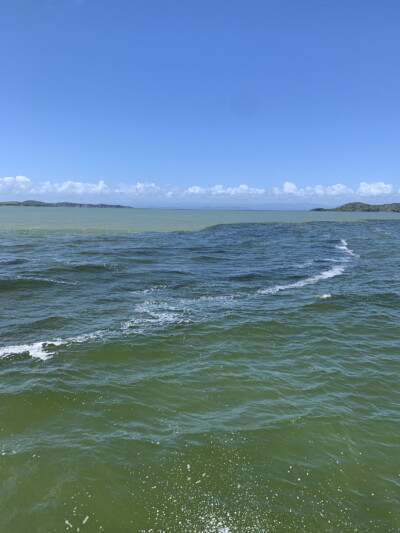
(81, 220)
(232, 372)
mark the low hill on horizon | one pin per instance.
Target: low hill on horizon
(35, 203)
(360, 206)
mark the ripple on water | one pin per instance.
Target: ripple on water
(237, 379)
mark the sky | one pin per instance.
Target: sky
(212, 103)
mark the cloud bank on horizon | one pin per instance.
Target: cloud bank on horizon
(148, 194)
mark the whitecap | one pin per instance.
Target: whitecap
(331, 273)
(336, 270)
(324, 296)
(345, 247)
(36, 349)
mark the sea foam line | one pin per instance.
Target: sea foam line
(326, 274)
(162, 313)
(336, 271)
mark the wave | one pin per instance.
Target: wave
(344, 246)
(336, 271)
(12, 261)
(99, 334)
(39, 350)
(326, 274)
(150, 290)
(156, 313)
(19, 281)
(219, 297)
(69, 267)
(249, 276)
(50, 280)
(36, 349)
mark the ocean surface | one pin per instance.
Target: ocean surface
(199, 371)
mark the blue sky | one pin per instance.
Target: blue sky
(200, 103)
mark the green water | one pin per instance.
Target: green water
(160, 220)
(196, 371)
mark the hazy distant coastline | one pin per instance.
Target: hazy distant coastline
(359, 206)
(34, 203)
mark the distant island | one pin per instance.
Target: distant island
(34, 203)
(359, 206)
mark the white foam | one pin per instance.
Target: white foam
(326, 274)
(331, 273)
(36, 349)
(158, 313)
(84, 337)
(155, 318)
(324, 296)
(345, 247)
(150, 290)
(219, 298)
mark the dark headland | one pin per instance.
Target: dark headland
(34, 203)
(359, 206)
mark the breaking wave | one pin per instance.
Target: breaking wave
(337, 270)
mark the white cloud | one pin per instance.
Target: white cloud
(15, 184)
(139, 189)
(338, 190)
(319, 191)
(289, 187)
(23, 185)
(25, 188)
(79, 188)
(196, 190)
(374, 189)
(222, 191)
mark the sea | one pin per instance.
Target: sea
(187, 371)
